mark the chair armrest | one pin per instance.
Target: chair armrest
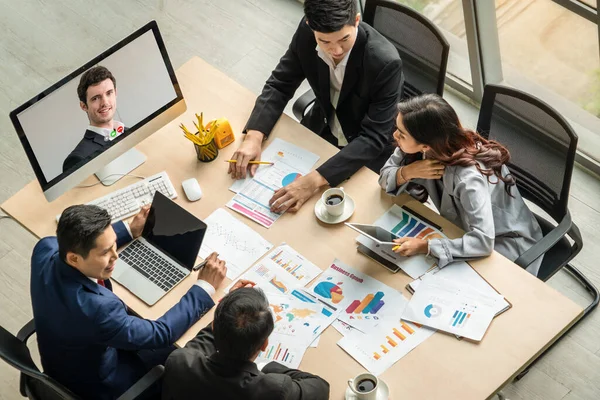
(300, 106)
(546, 243)
(26, 331)
(151, 377)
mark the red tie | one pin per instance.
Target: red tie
(101, 282)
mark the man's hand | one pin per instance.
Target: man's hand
(242, 283)
(249, 150)
(411, 246)
(424, 169)
(214, 271)
(137, 225)
(294, 195)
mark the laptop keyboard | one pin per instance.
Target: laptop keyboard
(158, 270)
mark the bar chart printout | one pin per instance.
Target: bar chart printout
(293, 263)
(385, 345)
(282, 353)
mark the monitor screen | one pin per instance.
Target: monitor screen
(174, 231)
(97, 107)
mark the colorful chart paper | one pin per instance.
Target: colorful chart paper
(281, 271)
(387, 343)
(360, 300)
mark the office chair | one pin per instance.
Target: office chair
(542, 145)
(36, 385)
(421, 45)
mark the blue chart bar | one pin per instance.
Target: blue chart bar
(416, 231)
(373, 303)
(459, 316)
(407, 228)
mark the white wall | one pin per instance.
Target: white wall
(55, 124)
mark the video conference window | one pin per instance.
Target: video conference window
(96, 109)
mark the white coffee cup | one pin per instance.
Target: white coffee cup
(357, 385)
(334, 210)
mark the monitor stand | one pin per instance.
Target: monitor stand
(121, 166)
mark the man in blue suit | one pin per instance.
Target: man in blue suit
(87, 340)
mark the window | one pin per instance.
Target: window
(449, 17)
(552, 53)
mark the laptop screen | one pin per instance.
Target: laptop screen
(174, 231)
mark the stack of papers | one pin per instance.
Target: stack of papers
(404, 224)
(253, 195)
(451, 307)
(462, 273)
(236, 243)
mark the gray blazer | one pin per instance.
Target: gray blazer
(491, 218)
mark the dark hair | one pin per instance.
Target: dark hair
(79, 227)
(430, 120)
(91, 77)
(327, 16)
(242, 323)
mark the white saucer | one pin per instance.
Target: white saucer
(383, 393)
(325, 217)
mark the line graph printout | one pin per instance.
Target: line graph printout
(237, 244)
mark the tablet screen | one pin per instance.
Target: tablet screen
(375, 232)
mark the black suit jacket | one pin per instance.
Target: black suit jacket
(198, 371)
(367, 103)
(91, 143)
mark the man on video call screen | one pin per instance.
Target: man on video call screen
(97, 93)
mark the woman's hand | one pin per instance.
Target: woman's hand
(424, 169)
(410, 246)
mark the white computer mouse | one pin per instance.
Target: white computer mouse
(192, 190)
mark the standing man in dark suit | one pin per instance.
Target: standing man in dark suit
(87, 340)
(219, 362)
(97, 92)
(356, 75)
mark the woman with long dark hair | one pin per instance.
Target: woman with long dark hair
(465, 177)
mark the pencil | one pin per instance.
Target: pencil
(253, 162)
(396, 247)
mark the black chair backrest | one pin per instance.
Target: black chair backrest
(16, 353)
(421, 45)
(541, 142)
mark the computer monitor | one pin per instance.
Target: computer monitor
(89, 121)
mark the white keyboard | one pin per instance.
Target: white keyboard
(124, 203)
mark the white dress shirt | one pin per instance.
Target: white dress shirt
(336, 79)
(109, 134)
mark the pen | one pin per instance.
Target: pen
(396, 247)
(253, 162)
(202, 264)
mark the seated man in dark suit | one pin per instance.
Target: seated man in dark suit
(97, 92)
(87, 340)
(356, 75)
(219, 362)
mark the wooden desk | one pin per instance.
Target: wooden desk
(441, 367)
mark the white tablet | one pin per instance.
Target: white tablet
(375, 233)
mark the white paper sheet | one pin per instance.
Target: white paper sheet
(236, 243)
(300, 159)
(455, 308)
(281, 271)
(461, 272)
(391, 340)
